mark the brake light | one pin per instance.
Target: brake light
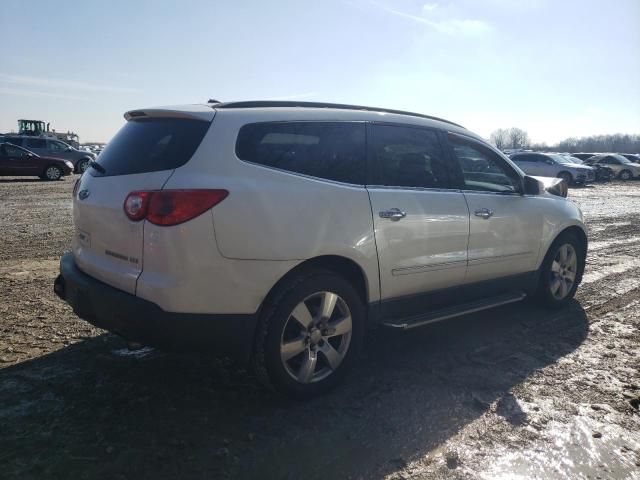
(171, 207)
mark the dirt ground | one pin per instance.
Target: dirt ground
(517, 392)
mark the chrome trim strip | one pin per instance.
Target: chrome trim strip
(434, 267)
(498, 258)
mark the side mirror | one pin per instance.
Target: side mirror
(531, 186)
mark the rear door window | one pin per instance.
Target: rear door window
(14, 140)
(330, 150)
(408, 157)
(35, 143)
(150, 145)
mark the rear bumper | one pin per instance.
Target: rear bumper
(145, 322)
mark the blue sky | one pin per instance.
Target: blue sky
(556, 68)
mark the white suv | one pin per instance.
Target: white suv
(278, 231)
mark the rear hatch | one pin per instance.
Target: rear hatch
(108, 245)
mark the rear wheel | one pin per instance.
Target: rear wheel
(52, 173)
(561, 271)
(309, 335)
(625, 175)
(566, 176)
(82, 165)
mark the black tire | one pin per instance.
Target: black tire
(271, 370)
(544, 294)
(52, 172)
(82, 165)
(566, 176)
(625, 175)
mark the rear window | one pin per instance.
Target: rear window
(329, 150)
(151, 144)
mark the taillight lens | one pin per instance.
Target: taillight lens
(136, 205)
(171, 207)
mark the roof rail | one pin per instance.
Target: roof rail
(291, 104)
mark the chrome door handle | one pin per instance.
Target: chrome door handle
(484, 213)
(392, 214)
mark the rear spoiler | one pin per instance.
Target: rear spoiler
(193, 112)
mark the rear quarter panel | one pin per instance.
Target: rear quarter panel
(276, 216)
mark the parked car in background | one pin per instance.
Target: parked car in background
(623, 168)
(583, 156)
(17, 161)
(278, 231)
(633, 157)
(553, 165)
(602, 172)
(53, 148)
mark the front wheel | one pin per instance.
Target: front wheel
(82, 165)
(309, 335)
(52, 173)
(625, 175)
(561, 271)
(566, 176)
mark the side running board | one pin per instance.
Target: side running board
(456, 311)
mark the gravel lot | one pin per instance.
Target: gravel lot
(516, 392)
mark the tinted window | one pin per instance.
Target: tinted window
(14, 140)
(526, 158)
(57, 146)
(13, 151)
(483, 169)
(331, 150)
(150, 145)
(408, 157)
(35, 143)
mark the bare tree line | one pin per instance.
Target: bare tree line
(505, 138)
(510, 138)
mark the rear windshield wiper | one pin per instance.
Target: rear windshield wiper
(97, 166)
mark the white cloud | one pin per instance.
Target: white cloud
(18, 92)
(449, 26)
(60, 84)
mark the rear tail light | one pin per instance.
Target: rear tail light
(171, 207)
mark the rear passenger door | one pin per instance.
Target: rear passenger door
(421, 222)
(528, 163)
(506, 226)
(36, 145)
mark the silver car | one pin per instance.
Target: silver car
(553, 165)
(278, 232)
(623, 168)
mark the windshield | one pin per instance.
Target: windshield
(150, 145)
(622, 159)
(573, 159)
(561, 159)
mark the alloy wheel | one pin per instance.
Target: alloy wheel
(563, 271)
(316, 337)
(52, 173)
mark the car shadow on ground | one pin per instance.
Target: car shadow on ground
(91, 411)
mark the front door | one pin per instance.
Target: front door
(506, 226)
(18, 161)
(421, 223)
